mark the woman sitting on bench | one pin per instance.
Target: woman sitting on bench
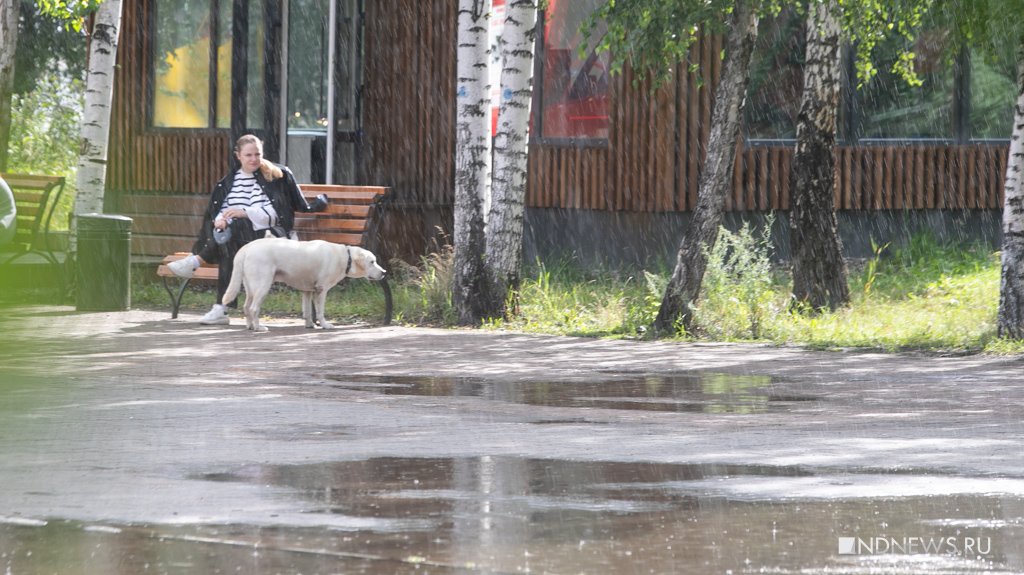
(260, 198)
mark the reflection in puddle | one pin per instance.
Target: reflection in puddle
(703, 392)
(514, 515)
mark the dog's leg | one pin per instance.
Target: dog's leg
(321, 299)
(253, 301)
(307, 308)
(245, 309)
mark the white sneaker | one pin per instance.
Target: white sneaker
(185, 267)
(215, 316)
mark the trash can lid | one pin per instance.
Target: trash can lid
(104, 222)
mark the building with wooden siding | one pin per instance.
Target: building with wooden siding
(613, 167)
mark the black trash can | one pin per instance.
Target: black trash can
(104, 262)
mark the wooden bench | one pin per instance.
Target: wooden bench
(36, 199)
(349, 219)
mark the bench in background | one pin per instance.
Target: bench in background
(349, 219)
(36, 199)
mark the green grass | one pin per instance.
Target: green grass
(352, 301)
(925, 296)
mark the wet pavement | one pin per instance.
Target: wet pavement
(132, 443)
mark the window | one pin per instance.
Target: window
(776, 78)
(993, 93)
(890, 108)
(192, 73)
(307, 65)
(950, 105)
(574, 89)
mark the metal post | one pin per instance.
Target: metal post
(331, 49)
(283, 124)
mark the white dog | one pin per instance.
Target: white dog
(312, 267)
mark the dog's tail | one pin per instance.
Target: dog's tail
(235, 285)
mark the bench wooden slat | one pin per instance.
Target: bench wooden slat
(349, 239)
(32, 182)
(340, 189)
(28, 211)
(345, 210)
(203, 274)
(361, 197)
(29, 197)
(330, 225)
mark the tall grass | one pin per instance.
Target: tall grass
(739, 296)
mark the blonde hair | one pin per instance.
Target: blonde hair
(246, 140)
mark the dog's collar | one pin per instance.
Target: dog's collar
(348, 266)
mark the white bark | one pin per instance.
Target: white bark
(99, 91)
(505, 221)
(472, 156)
(1011, 288)
(819, 271)
(8, 45)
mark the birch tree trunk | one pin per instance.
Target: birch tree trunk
(1011, 289)
(716, 176)
(819, 271)
(8, 47)
(508, 192)
(99, 91)
(472, 158)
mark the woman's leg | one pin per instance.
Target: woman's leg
(241, 234)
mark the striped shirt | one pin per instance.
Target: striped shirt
(247, 194)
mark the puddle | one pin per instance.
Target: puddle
(704, 392)
(515, 515)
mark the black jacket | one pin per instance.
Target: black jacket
(278, 184)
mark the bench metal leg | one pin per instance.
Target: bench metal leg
(176, 298)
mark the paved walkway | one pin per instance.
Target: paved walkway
(130, 418)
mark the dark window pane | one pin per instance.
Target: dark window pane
(181, 83)
(307, 64)
(890, 108)
(575, 88)
(993, 94)
(776, 78)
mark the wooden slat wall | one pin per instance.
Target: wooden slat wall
(881, 177)
(409, 105)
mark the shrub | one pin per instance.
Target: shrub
(738, 299)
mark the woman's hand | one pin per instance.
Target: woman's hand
(235, 213)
